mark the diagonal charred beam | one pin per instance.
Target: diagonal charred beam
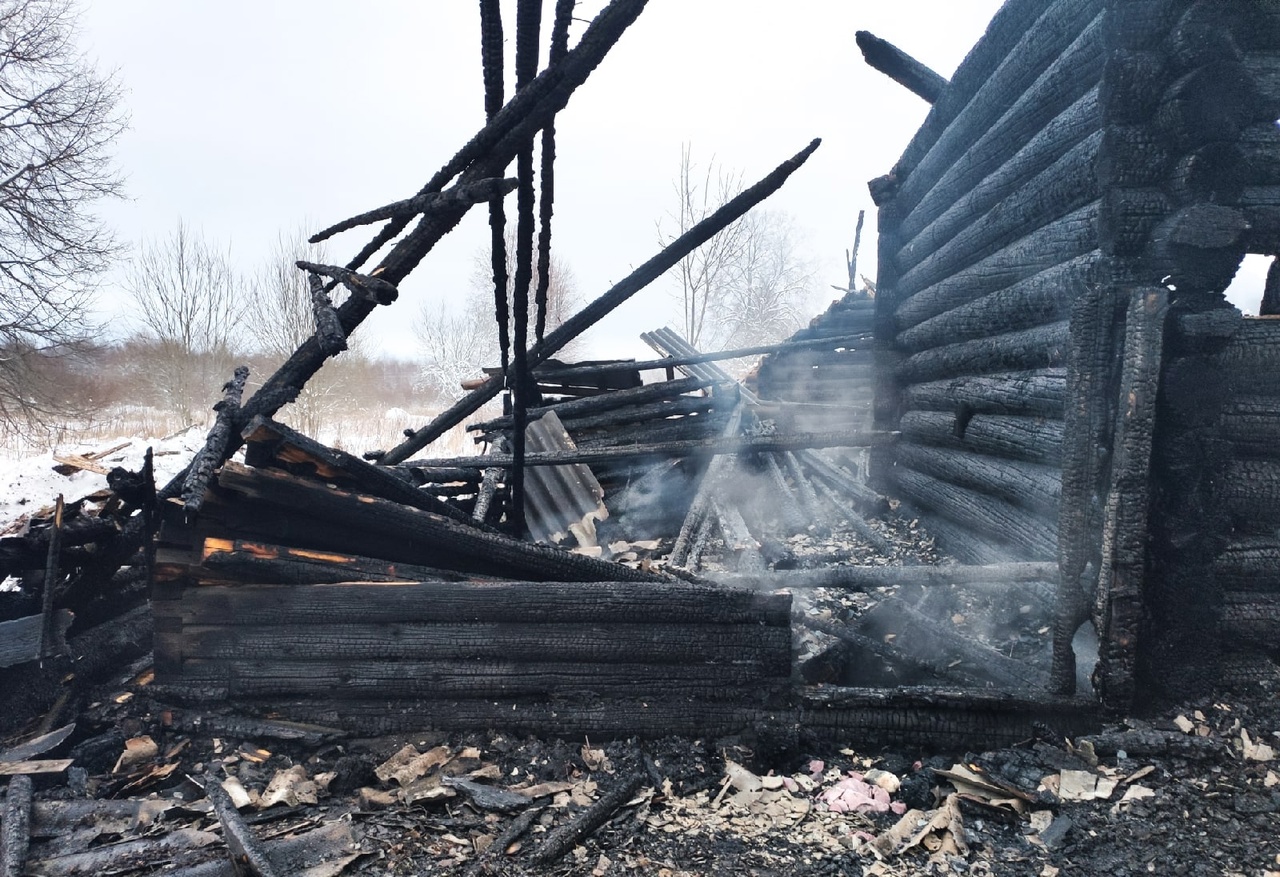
(491, 56)
(272, 443)
(607, 402)
(328, 327)
(248, 859)
(196, 482)
(372, 289)
(606, 303)
(901, 68)
(467, 194)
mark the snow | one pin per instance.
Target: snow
(30, 484)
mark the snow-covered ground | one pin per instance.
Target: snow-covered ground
(29, 484)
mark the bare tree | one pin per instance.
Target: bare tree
(191, 305)
(748, 284)
(704, 274)
(58, 121)
(770, 288)
(280, 319)
(460, 342)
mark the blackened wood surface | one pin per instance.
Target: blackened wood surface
(328, 327)
(1038, 392)
(217, 444)
(1038, 300)
(229, 561)
(1034, 439)
(1033, 486)
(1040, 347)
(15, 837)
(1067, 238)
(1029, 536)
(600, 643)
(488, 602)
(1012, 82)
(330, 518)
(901, 68)
(1075, 123)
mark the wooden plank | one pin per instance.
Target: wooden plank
(600, 643)
(473, 679)
(34, 767)
(1034, 439)
(20, 638)
(497, 602)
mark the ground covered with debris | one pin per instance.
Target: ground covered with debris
(1195, 791)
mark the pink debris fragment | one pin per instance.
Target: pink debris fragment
(852, 794)
(816, 767)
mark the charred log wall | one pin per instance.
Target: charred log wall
(988, 234)
(1066, 375)
(255, 603)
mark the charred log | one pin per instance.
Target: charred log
(901, 68)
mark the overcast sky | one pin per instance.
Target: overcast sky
(250, 117)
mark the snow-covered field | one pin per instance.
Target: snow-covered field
(28, 481)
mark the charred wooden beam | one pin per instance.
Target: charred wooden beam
(1033, 486)
(248, 859)
(901, 68)
(1034, 439)
(608, 643)
(328, 327)
(370, 288)
(1040, 347)
(589, 316)
(737, 537)
(711, 446)
(52, 576)
(15, 838)
(273, 443)
(565, 838)
(1036, 392)
(216, 445)
(1064, 186)
(793, 518)
(348, 521)
(990, 578)
(484, 499)
(1038, 300)
(608, 402)
(586, 603)
(1251, 491)
(1250, 564)
(343, 679)
(1119, 609)
(1032, 85)
(466, 194)
(1027, 533)
(965, 193)
(223, 560)
(843, 483)
(1062, 240)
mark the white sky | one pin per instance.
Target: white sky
(250, 117)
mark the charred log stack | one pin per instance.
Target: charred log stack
(1092, 170)
(314, 576)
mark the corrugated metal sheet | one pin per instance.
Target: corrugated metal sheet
(560, 501)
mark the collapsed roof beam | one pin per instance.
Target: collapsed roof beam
(900, 67)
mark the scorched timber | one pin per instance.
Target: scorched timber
(603, 643)
(1037, 392)
(651, 603)
(711, 446)
(348, 521)
(596, 404)
(1030, 485)
(1034, 439)
(1041, 347)
(238, 560)
(1060, 241)
(900, 67)
(739, 682)
(1039, 300)
(1058, 137)
(1032, 85)
(989, 577)
(272, 443)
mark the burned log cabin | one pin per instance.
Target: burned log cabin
(1067, 378)
(1045, 373)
